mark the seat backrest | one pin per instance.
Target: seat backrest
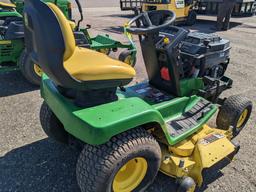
(50, 40)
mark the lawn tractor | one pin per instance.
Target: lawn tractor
(8, 11)
(129, 133)
(182, 8)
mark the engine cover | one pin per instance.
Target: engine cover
(205, 55)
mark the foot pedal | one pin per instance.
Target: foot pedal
(189, 119)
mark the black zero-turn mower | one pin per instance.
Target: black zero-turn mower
(130, 133)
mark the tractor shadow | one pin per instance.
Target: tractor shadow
(13, 83)
(48, 166)
(40, 166)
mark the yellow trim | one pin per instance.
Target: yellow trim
(181, 13)
(129, 177)
(67, 32)
(242, 118)
(89, 65)
(9, 5)
(38, 70)
(5, 42)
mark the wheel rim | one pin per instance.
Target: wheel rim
(192, 189)
(130, 175)
(242, 118)
(128, 60)
(104, 51)
(38, 70)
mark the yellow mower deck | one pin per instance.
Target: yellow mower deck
(202, 150)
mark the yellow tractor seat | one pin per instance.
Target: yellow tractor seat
(67, 65)
(7, 5)
(96, 66)
(87, 65)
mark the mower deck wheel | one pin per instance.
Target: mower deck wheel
(128, 162)
(105, 51)
(30, 71)
(51, 125)
(234, 113)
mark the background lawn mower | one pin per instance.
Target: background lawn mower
(14, 56)
(128, 134)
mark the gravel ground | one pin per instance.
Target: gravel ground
(29, 161)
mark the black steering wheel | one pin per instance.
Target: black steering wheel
(151, 22)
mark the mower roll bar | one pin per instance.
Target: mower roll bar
(148, 27)
(80, 12)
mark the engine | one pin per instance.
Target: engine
(204, 54)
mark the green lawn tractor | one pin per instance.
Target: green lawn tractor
(129, 133)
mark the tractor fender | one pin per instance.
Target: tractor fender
(97, 125)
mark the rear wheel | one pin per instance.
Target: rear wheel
(52, 126)
(128, 162)
(31, 71)
(191, 19)
(234, 113)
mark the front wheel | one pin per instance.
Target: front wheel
(234, 114)
(128, 162)
(31, 71)
(127, 57)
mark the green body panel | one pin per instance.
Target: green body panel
(96, 125)
(5, 14)
(190, 86)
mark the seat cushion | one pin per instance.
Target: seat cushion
(7, 5)
(89, 65)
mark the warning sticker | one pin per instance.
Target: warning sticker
(211, 138)
(180, 4)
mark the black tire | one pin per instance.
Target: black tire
(231, 111)
(27, 69)
(98, 165)
(51, 125)
(124, 57)
(191, 20)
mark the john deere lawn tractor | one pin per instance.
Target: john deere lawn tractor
(129, 133)
(182, 8)
(8, 11)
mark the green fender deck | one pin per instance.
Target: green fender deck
(96, 125)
